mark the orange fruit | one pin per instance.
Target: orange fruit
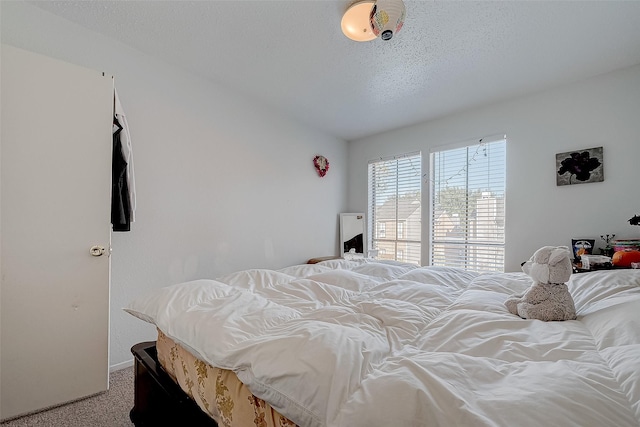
(625, 258)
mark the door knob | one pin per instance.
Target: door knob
(96, 250)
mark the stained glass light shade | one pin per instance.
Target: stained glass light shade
(387, 17)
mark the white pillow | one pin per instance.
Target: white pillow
(174, 299)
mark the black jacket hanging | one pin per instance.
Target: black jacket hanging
(120, 204)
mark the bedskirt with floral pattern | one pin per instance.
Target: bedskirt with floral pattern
(218, 392)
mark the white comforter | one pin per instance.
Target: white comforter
(385, 344)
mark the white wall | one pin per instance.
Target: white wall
(602, 111)
(223, 183)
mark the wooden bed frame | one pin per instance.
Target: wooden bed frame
(158, 400)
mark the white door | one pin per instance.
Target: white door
(55, 157)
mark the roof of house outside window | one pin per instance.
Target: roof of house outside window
(407, 206)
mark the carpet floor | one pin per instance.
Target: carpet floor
(108, 409)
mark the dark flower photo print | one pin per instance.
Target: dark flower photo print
(579, 166)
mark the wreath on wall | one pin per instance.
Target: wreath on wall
(322, 165)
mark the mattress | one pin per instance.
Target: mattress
(218, 392)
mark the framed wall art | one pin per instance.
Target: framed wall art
(580, 166)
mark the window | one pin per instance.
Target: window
(382, 230)
(467, 206)
(394, 207)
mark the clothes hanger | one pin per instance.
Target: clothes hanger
(117, 124)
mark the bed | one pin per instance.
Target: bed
(365, 343)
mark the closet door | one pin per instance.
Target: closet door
(55, 200)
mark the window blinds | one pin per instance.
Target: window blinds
(468, 206)
(394, 213)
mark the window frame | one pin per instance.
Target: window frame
(408, 189)
(470, 245)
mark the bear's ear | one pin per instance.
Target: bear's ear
(541, 256)
(559, 254)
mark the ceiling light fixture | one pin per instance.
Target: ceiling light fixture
(356, 21)
(387, 17)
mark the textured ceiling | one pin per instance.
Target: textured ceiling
(449, 56)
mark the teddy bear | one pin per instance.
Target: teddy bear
(548, 298)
